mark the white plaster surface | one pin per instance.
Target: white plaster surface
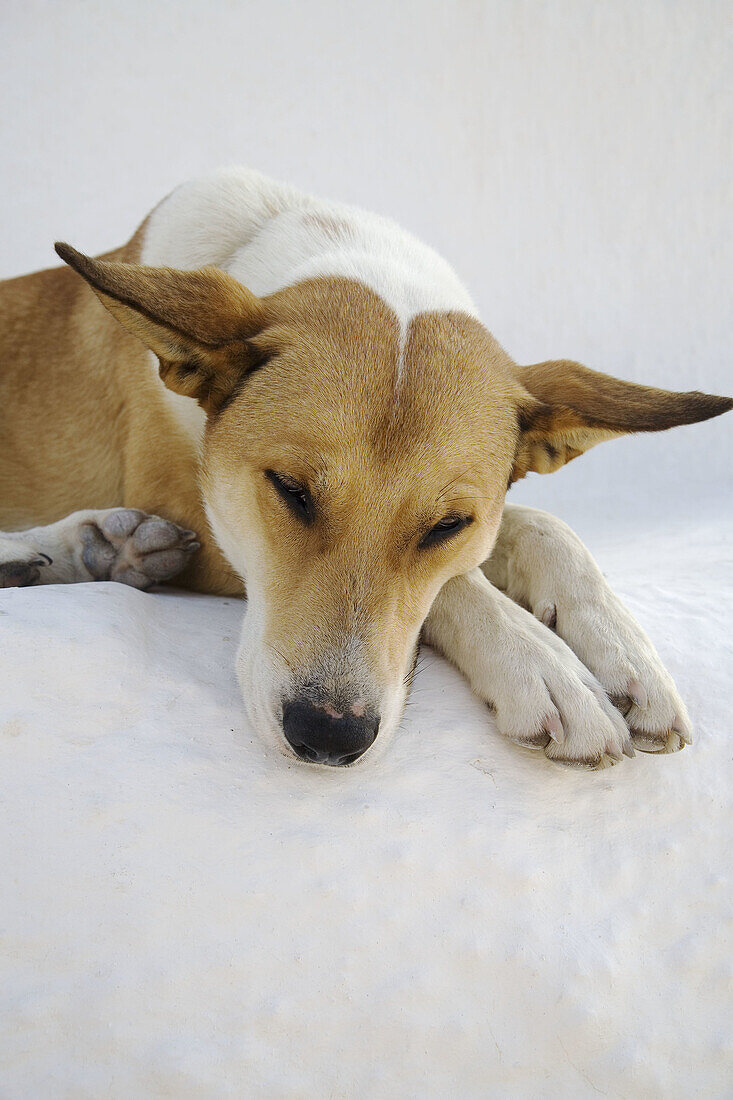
(185, 913)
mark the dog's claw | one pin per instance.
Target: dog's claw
(681, 727)
(22, 574)
(637, 693)
(585, 765)
(533, 741)
(553, 725)
(549, 616)
(668, 742)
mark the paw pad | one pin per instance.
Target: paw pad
(129, 546)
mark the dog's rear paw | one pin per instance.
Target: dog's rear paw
(135, 548)
(21, 572)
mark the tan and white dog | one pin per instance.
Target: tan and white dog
(310, 390)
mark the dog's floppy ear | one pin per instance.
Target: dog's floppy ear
(198, 323)
(569, 408)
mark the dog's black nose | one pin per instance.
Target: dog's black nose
(323, 735)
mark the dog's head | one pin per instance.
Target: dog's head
(351, 466)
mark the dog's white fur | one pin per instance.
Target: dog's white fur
(534, 673)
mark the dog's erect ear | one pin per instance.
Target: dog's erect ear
(569, 408)
(198, 323)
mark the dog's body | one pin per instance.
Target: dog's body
(355, 432)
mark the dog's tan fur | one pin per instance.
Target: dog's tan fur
(357, 443)
(84, 423)
(311, 382)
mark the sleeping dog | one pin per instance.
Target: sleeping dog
(262, 389)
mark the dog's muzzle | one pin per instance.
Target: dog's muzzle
(322, 735)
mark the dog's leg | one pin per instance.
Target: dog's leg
(117, 544)
(539, 562)
(543, 696)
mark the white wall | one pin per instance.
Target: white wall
(570, 158)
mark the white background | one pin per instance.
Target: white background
(571, 159)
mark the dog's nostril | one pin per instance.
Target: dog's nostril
(306, 754)
(322, 735)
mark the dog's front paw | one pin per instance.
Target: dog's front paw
(614, 647)
(556, 705)
(129, 546)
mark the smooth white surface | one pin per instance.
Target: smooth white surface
(187, 914)
(570, 159)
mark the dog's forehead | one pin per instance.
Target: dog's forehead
(345, 361)
(333, 336)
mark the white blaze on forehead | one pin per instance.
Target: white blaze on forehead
(270, 236)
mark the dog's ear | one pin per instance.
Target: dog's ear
(198, 323)
(568, 408)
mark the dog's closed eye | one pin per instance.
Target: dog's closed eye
(296, 496)
(446, 528)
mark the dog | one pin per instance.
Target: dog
(262, 389)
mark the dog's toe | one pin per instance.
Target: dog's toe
(631, 673)
(134, 578)
(656, 718)
(98, 553)
(156, 534)
(160, 565)
(119, 524)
